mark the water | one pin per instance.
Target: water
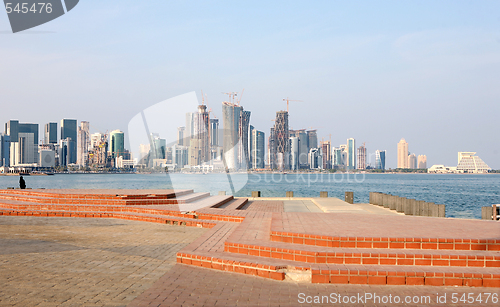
(463, 195)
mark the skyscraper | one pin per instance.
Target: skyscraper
(189, 131)
(294, 153)
(117, 142)
(282, 140)
(312, 139)
(271, 147)
(326, 154)
(243, 150)
(412, 161)
(83, 144)
(231, 120)
(402, 154)
(380, 159)
(422, 161)
(180, 135)
(214, 132)
(351, 154)
(303, 148)
(337, 158)
(23, 142)
(50, 136)
(362, 157)
(159, 147)
(258, 149)
(69, 131)
(4, 150)
(201, 126)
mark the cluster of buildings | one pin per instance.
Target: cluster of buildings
(202, 145)
(407, 160)
(21, 149)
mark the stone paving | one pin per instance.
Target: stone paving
(52, 261)
(191, 286)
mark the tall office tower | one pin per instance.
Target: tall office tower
(23, 142)
(362, 157)
(50, 136)
(4, 150)
(159, 147)
(337, 157)
(250, 150)
(65, 151)
(312, 140)
(69, 130)
(231, 121)
(271, 147)
(180, 156)
(189, 131)
(180, 136)
(258, 140)
(194, 152)
(303, 148)
(243, 133)
(402, 154)
(326, 154)
(83, 144)
(380, 159)
(412, 161)
(313, 158)
(351, 154)
(201, 126)
(117, 142)
(282, 140)
(214, 132)
(294, 153)
(422, 161)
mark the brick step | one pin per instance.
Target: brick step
(388, 243)
(116, 200)
(98, 194)
(235, 204)
(406, 275)
(207, 202)
(344, 273)
(315, 254)
(184, 199)
(164, 219)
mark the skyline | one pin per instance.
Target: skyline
(373, 72)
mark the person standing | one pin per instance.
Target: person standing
(22, 183)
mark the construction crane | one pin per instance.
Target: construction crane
(288, 103)
(241, 95)
(231, 96)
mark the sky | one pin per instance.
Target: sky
(376, 71)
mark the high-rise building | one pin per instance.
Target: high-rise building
(117, 143)
(312, 139)
(337, 158)
(214, 132)
(380, 159)
(362, 157)
(23, 142)
(180, 135)
(258, 149)
(303, 148)
(69, 133)
(422, 161)
(4, 150)
(98, 154)
(194, 152)
(231, 121)
(201, 126)
(326, 154)
(271, 147)
(294, 153)
(468, 162)
(50, 133)
(243, 150)
(180, 155)
(412, 161)
(282, 140)
(314, 158)
(351, 154)
(83, 144)
(189, 131)
(402, 154)
(159, 147)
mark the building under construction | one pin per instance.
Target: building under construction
(282, 142)
(201, 127)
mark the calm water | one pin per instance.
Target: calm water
(463, 195)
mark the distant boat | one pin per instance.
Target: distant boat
(24, 174)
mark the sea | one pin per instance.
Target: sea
(463, 194)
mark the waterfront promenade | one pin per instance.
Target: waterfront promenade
(239, 252)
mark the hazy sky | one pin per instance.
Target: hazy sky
(428, 71)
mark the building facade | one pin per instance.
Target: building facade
(422, 162)
(117, 144)
(351, 154)
(361, 157)
(50, 133)
(402, 154)
(83, 144)
(258, 149)
(380, 159)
